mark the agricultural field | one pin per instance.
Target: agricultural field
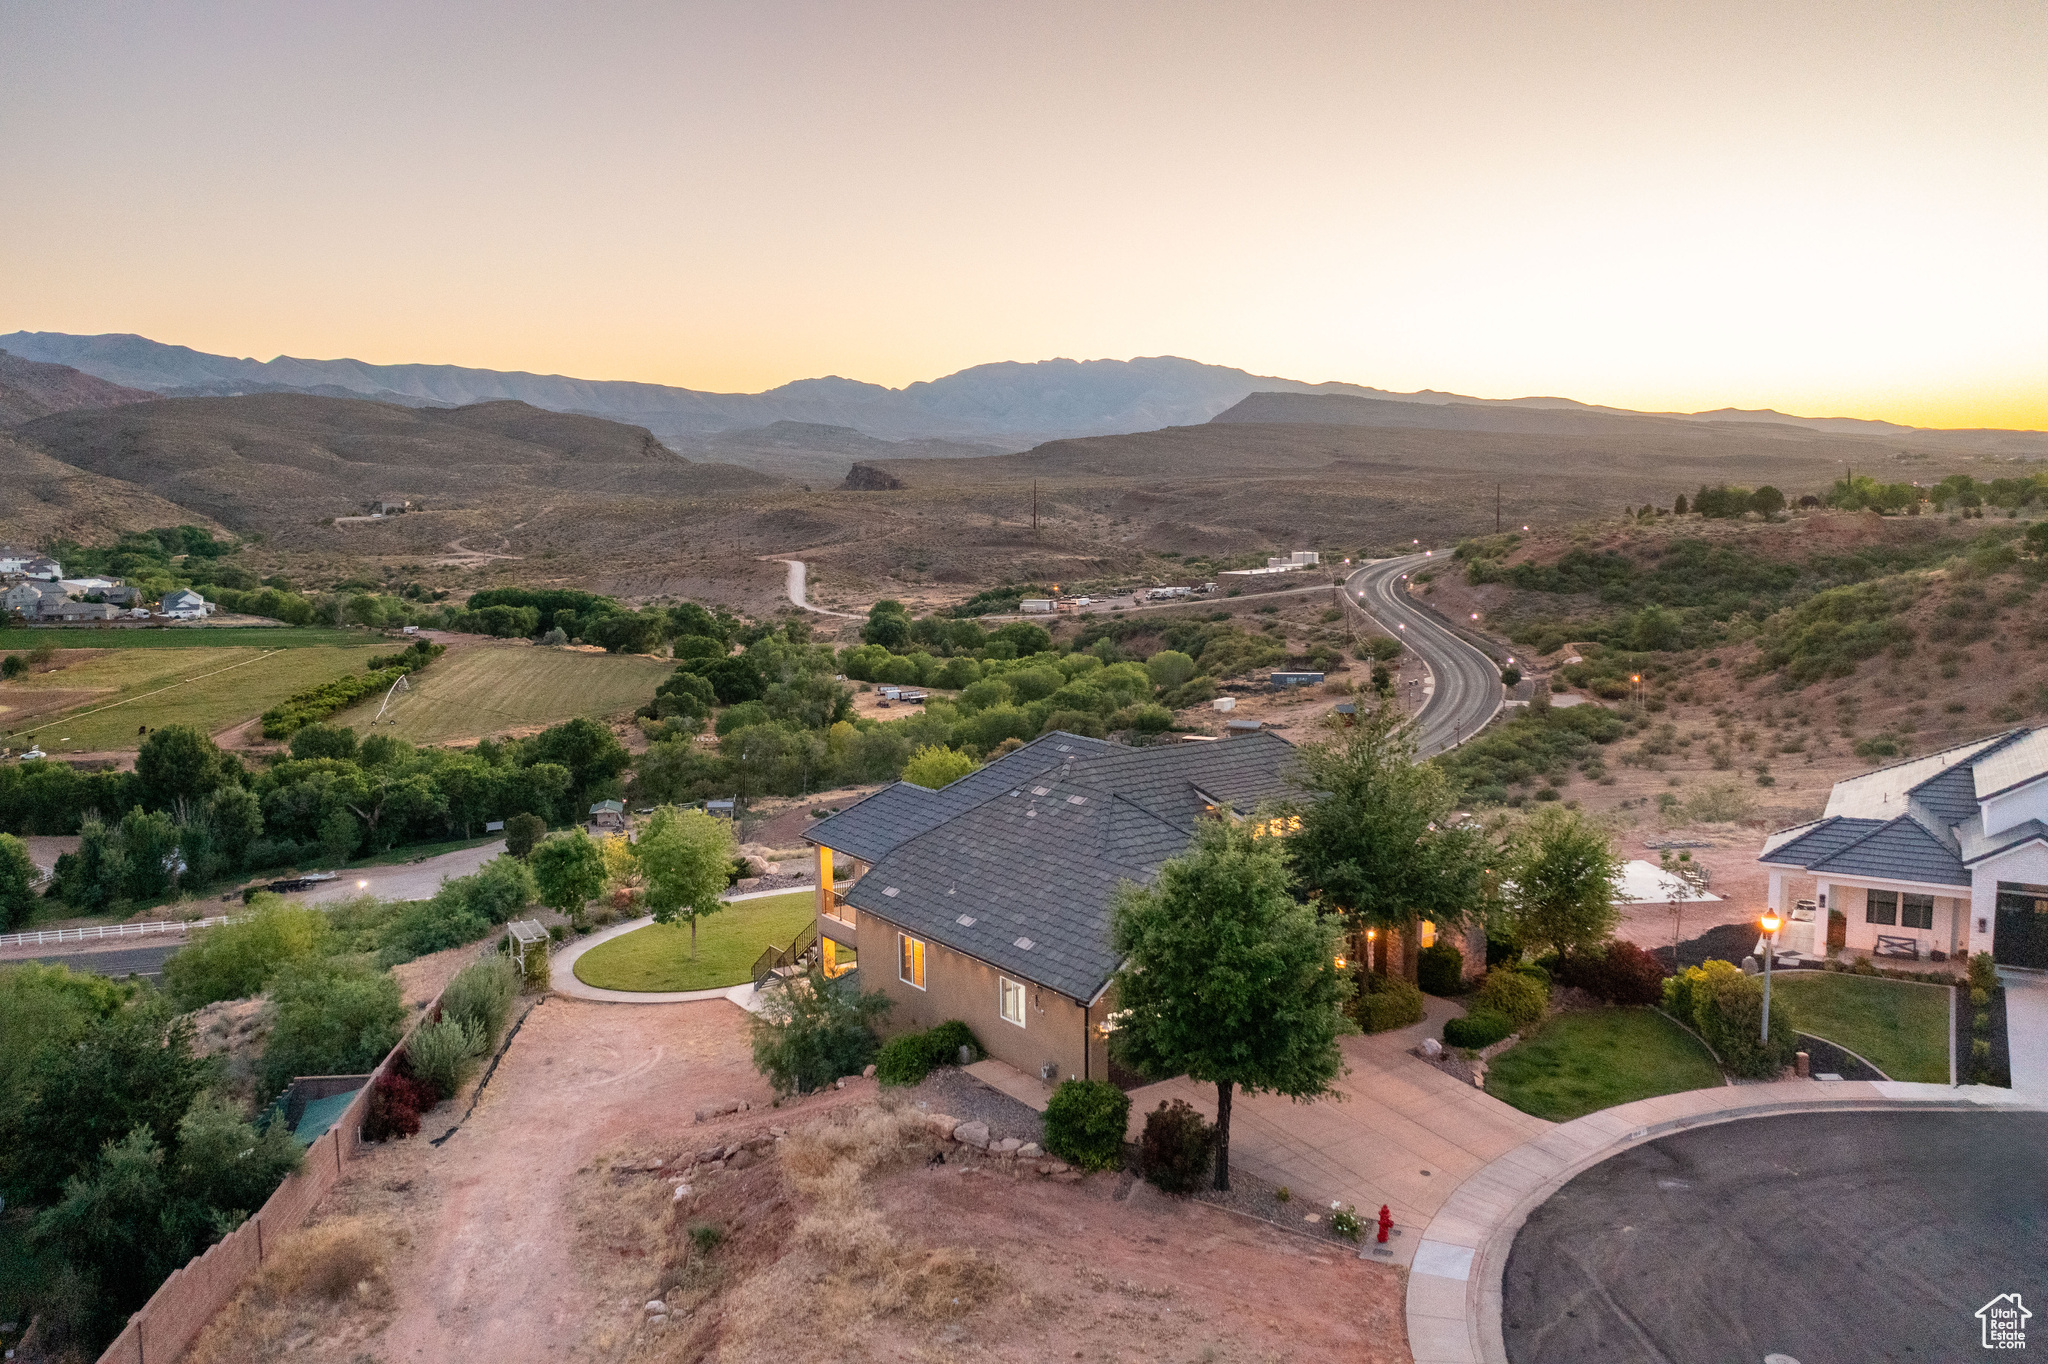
(96, 700)
(482, 689)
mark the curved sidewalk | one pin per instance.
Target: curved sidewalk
(1454, 1286)
(563, 981)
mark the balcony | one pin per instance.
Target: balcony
(837, 908)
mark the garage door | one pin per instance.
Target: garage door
(2022, 938)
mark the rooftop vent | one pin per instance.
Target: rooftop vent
(1024, 943)
(1041, 790)
(965, 921)
(1077, 800)
(891, 891)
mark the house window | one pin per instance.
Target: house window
(1881, 907)
(1916, 911)
(1010, 1000)
(910, 960)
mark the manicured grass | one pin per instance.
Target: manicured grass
(657, 957)
(1578, 1063)
(1899, 1026)
(97, 702)
(484, 689)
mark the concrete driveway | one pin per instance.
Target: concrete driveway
(405, 881)
(1405, 1134)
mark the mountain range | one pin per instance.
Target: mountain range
(1003, 407)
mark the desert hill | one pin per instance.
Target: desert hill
(43, 499)
(30, 389)
(275, 462)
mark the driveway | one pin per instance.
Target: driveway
(1405, 1134)
(404, 881)
(1828, 1238)
(2026, 1028)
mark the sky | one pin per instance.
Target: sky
(1825, 208)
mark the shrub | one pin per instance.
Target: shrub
(396, 1102)
(482, 993)
(332, 1019)
(1084, 1123)
(1346, 1222)
(1384, 1003)
(1727, 1008)
(522, 832)
(234, 960)
(1620, 973)
(288, 716)
(1979, 996)
(444, 1053)
(805, 1038)
(706, 1237)
(907, 1059)
(1520, 996)
(1177, 1145)
(1983, 971)
(1440, 970)
(1480, 1028)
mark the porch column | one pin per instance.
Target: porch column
(1776, 897)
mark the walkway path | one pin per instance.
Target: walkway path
(2026, 1028)
(563, 968)
(1454, 1286)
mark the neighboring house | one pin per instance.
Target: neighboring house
(64, 609)
(122, 596)
(49, 570)
(1946, 853)
(85, 587)
(22, 599)
(183, 604)
(608, 817)
(13, 558)
(989, 900)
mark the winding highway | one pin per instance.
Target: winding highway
(1466, 689)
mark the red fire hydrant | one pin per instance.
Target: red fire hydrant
(1386, 1223)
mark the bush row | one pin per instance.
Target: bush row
(295, 712)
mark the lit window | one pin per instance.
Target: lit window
(910, 960)
(1011, 1001)
(1277, 828)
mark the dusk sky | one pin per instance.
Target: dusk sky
(1827, 208)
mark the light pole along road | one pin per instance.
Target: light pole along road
(1467, 688)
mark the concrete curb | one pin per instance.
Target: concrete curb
(1454, 1288)
(563, 968)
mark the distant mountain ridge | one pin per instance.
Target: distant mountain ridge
(1004, 405)
(31, 389)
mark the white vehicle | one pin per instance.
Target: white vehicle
(1084, 601)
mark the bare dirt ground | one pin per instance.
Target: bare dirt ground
(541, 1228)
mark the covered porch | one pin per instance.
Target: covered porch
(1871, 916)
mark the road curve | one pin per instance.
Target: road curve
(1468, 691)
(796, 592)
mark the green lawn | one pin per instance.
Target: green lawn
(1578, 1063)
(1899, 1026)
(657, 957)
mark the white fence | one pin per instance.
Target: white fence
(143, 930)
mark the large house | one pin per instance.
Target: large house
(23, 599)
(1946, 853)
(989, 900)
(182, 604)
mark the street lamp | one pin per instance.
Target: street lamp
(1770, 923)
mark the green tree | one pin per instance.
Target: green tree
(888, 625)
(333, 1018)
(150, 842)
(340, 835)
(1379, 846)
(805, 1037)
(569, 872)
(233, 961)
(684, 857)
(237, 819)
(178, 762)
(96, 878)
(1559, 882)
(523, 833)
(934, 766)
(1169, 668)
(1226, 979)
(17, 882)
(1767, 500)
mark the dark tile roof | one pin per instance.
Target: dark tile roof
(1033, 863)
(1823, 840)
(1902, 849)
(1950, 795)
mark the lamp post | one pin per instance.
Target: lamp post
(1770, 922)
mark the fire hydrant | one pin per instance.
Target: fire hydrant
(1386, 1223)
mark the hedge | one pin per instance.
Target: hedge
(1384, 1003)
(1481, 1028)
(294, 713)
(907, 1059)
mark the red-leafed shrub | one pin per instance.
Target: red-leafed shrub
(1621, 973)
(396, 1102)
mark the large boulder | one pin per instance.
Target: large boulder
(973, 1134)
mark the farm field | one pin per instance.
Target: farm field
(185, 637)
(95, 700)
(478, 690)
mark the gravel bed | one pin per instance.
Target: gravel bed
(754, 885)
(953, 1091)
(1259, 1198)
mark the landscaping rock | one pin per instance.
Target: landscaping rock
(706, 1112)
(683, 1191)
(659, 1306)
(711, 1153)
(1067, 1177)
(761, 1145)
(1008, 1146)
(943, 1125)
(1433, 1048)
(740, 1159)
(718, 1166)
(1029, 1151)
(869, 1073)
(973, 1134)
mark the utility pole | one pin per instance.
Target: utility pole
(1496, 509)
(1034, 506)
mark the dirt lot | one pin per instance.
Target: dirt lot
(540, 1229)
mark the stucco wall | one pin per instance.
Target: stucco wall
(1852, 901)
(958, 986)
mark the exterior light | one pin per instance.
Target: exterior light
(1475, 615)
(360, 885)
(1371, 933)
(1771, 921)
(1635, 677)
(1340, 963)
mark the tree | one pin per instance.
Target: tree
(934, 766)
(569, 871)
(95, 879)
(523, 833)
(1169, 668)
(17, 882)
(1767, 500)
(1378, 846)
(150, 841)
(888, 625)
(1226, 979)
(1559, 882)
(339, 835)
(233, 961)
(685, 857)
(734, 679)
(178, 762)
(1678, 507)
(237, 819)
(333, 1018)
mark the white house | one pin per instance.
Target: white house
(13, 558)
(1946, 853)
(49, 570)
(183, 604)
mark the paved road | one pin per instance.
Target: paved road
(117, 962)
(796, 591)
(1827, 1238)
(1468, 692)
